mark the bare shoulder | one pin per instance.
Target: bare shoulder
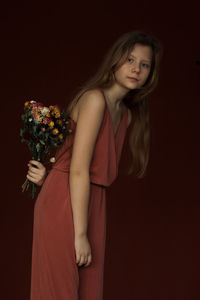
(92, 101)
(90, 116)
(129, 117)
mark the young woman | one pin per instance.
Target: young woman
(70, 211)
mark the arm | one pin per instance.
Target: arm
(90, 115)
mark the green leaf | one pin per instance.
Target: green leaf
(42, 142)
(21, 132)
(38, 147)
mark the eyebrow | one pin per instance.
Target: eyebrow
(142, 59)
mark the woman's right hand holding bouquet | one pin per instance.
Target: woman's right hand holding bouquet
(36, 174)
(45, 128)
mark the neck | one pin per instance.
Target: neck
(115, 95)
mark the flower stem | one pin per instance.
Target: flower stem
(25, 185)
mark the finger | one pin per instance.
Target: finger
(35, 170)
(31, 179)
(35, 162)
(33, 174)
(77, 258)
(82, 260)
(86, 264)
(90, 258)
(89, 261)
(31, 164)
(85, 260)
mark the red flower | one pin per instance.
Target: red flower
(40, 104)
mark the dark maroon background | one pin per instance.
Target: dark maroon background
(153, 224)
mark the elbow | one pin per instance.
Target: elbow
(79, 172)
(79, 178)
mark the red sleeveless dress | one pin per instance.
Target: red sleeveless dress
(55, 274)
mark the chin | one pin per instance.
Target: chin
(133, 87)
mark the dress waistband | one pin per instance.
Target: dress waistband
(99, 185)
(67, 171)
(61, 170)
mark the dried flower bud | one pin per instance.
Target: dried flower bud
(52, 160)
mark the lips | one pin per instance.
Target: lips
(133, 78)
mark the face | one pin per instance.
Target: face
(135, 70)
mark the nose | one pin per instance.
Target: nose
(135, 67)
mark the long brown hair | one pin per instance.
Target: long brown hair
(136, 100)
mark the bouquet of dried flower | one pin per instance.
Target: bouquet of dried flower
(45, 128)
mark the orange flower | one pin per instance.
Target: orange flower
(48, 115)
(60, 136)
(56, 109)
(51, 124)
(59, 122)
(55, 131)
(57, 115)
(26, 103)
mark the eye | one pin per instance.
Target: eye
(145, 65)
(130, 59)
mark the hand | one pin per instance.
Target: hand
(83, 251)
(36, 175)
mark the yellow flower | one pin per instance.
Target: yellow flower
(60, 136)
(55, 131)
(48, 115)
(26, 103)
(51, 124)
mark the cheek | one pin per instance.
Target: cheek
(146, 74)
(121, 71)
(145, 77)
(117, 74)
